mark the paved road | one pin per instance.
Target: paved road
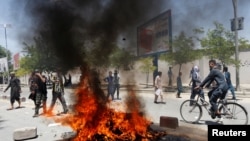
(47, 129)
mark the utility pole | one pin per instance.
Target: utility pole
(6, 47)
(235, 5)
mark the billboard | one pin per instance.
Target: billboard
(3, 65)
(155, 35)
(16, 59)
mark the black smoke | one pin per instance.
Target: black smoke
(66, 26)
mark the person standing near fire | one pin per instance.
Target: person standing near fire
(116, 84)
(40, 91)
(58, 92)
(158, 88)
(110, 80)
(15, 90)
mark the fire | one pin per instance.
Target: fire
(95, 118)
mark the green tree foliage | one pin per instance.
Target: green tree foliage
(122, 58)
(147, 67)
(183, 51)
(38, 56)
(219, 44)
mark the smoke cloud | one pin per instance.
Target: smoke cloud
(67, 25)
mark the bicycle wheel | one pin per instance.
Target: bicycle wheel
(190, 113)
(233, 114)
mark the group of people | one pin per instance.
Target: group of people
(38, 91)
(113, 84)
(221, 81)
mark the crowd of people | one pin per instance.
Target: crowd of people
(38, 91)
(218, 81)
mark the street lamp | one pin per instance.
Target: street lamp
(235, 5)
(5, 26)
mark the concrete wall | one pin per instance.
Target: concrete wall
(135, 76)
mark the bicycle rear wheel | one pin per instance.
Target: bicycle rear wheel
(190, 113)
(233, 114)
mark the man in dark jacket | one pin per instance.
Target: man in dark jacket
(15, 90)
(229, 82)
(40, 91)
(219, 91)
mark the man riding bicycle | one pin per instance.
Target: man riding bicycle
(219, 91)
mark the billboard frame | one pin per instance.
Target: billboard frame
(147, 38)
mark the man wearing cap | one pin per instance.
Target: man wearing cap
(15, 90)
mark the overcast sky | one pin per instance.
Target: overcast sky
(186, 15)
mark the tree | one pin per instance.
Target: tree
(3, 51)
(217, 41)
(147, 67)
(183, 51)
(122, 58)
(219, 44)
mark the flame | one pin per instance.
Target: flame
(95, 118)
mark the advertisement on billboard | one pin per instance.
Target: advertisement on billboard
(16, 59)
(3, 65)
(155, 35)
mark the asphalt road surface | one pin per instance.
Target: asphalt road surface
(47, 129)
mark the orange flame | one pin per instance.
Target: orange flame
(95, 119)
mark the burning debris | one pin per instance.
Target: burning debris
(95, 119)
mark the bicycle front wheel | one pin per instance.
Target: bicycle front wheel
(233, 114)
(190, 111)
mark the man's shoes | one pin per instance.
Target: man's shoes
(65, 112)
(234, 98)
(204, 104)
(217, 114)
(213, 116)
(35, 115)
(10, 109)
(156, 102)
(178, 97)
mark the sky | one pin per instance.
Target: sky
(186, 15)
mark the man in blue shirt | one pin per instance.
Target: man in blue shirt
(229, 82)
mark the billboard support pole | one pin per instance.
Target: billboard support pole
(155, 63)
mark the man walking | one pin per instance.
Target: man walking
(15, 90)
(179, 85)
(158, 88)
(196, 80)
(229, 82)
(58, 92)
(40, 91)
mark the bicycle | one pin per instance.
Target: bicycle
(231, 113)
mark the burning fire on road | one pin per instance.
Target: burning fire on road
(95, 118)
